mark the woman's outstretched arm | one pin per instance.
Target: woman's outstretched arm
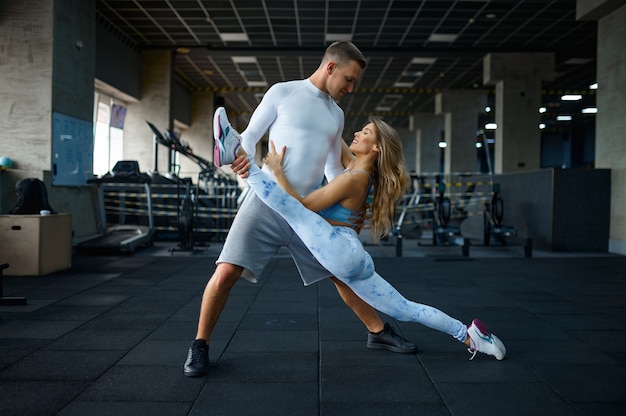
(346, 155)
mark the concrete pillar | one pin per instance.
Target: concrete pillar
(610, 98)
(460, 109)
(517, 77)
(47, 67)
(26, 41)
(409, 146)
(428, 128)
(154, 106)
(44, 68)
(199, 135)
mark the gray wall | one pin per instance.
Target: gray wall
(181, 104)
(582, 199)
(562, 210)
(73, 59)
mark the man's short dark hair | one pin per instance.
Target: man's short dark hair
(344, 51)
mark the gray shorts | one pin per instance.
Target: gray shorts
(256, 235)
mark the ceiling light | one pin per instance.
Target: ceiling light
(234, 37)
(427, 61)
(244, 59)
(412, 74)
(490, 15)
(487, 109)
(442, 37)
(593, 86)
(442, 144)
(542, 110)
(563, 118)
(542, 126)
(491, 126)
(478, 145)
(403, 84)
(334, 37)
(590, 110)
(182, 50)
(572, 97)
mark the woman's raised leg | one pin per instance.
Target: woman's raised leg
(330, 245)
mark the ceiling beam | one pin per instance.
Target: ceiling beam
(458, 52)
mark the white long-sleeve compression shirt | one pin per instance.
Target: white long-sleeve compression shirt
(306, 120)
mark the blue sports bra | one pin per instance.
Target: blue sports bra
(341, 214)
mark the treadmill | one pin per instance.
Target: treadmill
(124, 181)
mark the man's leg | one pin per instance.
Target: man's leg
(380, 335)
(214, 298)
(213, 301)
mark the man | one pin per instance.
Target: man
(304, 116)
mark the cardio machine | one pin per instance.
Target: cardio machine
(129, 224)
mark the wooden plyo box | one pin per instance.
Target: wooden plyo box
(35, 245)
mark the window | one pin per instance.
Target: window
(109, 117)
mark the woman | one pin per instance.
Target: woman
(326, 220)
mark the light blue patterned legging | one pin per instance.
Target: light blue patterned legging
(339, 250)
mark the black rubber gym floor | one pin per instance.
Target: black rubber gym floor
(110, 335)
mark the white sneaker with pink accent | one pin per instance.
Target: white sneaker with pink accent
(227, 139)
(481, 340)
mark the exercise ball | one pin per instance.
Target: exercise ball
(5, 163)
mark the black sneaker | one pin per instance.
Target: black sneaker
(387, 339)
(197, 363)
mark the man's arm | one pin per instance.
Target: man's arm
(261, 120)
(334, 166)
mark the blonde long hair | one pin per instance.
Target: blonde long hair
(391, 179)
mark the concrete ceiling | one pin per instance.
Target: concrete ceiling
(237, 48)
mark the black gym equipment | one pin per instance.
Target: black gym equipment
(410, 201)
(444, 233)
(206, 209)
(185, 205)
(125, 229)
(493, 227)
